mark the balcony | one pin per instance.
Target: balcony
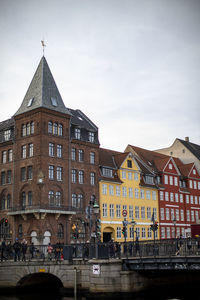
(41, 210)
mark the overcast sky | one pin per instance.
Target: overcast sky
(132, 66)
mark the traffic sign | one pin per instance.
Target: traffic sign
(124, 213)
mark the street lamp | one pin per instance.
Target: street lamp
(96, 213)
(133, 223)
(174, 221)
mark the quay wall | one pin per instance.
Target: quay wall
(97, 276)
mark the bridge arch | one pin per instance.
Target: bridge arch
(40, 279)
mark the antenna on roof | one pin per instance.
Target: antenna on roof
(43, 45)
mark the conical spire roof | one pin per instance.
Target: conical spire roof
(42, 92)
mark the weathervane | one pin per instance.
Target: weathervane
(43, 45)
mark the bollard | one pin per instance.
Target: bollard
(75, 284)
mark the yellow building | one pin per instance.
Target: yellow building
(126, 185)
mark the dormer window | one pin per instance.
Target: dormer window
(149, 179)
(7, 134)
(77, 133)
(30, 102)
(91, 137)
(107, 172)
(54, 101)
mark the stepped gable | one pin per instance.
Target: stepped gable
(42, 92)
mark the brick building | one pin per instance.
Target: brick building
(49, 165)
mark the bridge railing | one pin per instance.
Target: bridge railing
(169, 247)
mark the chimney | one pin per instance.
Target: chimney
(187, 139)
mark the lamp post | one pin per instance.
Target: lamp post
(96, 213)
(133, 223)
(174, 221)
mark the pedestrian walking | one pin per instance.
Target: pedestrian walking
(137, 246)
(118, 249)
(111, 249)
(3, 250)
(9, 250)
(32, 250)
(24, 249)
(49, 251)
(17, 250)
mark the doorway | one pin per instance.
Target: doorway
(107, 237)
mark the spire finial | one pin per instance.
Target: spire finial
(43, 45)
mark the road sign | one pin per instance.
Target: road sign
(96, 269)
(124, 213)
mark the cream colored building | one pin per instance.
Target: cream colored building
(186, 151)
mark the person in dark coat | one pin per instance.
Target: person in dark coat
(32, 250)
(3, 250)
(17, 250)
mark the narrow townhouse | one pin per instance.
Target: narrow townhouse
(127, 193)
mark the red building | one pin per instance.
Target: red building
(179, 192)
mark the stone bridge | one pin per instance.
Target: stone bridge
(128, 275)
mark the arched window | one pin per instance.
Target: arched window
(32, 127)
(20, 231)
(73, 200)
(58, 198)
(60, 130)
(23, 130)
(8, 200)
(28, 129)
(51, 198)
(55, 128)
(60, 231)
(23, 199)
(30, 198)
(50, 127)
(80, 201)
(3, 202)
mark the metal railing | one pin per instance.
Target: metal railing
(159, 248)
(43, 207)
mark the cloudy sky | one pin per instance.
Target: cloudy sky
(132, 66)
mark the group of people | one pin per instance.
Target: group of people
(129, 248)
(20, 250)
(16, 251)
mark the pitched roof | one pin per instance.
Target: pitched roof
(81, 120)
(106, 158)
(193, 148)
(42, 92)
(151, 158)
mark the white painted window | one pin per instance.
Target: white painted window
(130, 192)
(119, 233)
(117, 190)
(104, 189)
(161, 195)
(112, 213)
(124, 191)
(105, 212)
(136, 193)
(118, 210)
